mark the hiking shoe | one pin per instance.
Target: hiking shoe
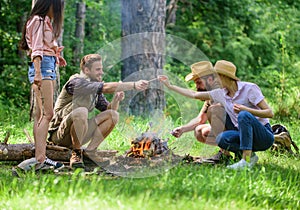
(218, 158)
(52, 164)
(239, 165)
(253, 159)
(91, 155)
(76, 160)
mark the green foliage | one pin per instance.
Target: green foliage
(14, 85)
(14, 119)
(11, 22)
(272, 184)
(103, 25)
(260, 37)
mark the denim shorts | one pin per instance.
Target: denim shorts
(47, 69)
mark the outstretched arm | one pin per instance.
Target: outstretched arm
(111, 87)
(203, 95)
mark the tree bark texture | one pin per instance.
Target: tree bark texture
(20, 152)
(143, 37)
(171, 13)
(79, 32)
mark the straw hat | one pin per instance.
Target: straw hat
(200, 69)
(226, 68)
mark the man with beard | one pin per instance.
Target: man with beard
(205, 79)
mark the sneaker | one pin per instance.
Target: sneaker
(52, 164)
(76, 160)
(29, 164)
(253, 159)
(239, 165)
(218, 158)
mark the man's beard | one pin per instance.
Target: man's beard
(201, 89)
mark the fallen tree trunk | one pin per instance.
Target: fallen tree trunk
(20, 152)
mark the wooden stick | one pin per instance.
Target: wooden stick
(6, 137)
(153, 79)
(57, 148)
(28, 136)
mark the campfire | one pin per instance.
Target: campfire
(147, 145)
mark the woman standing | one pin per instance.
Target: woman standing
(248, 112)
(40, 33)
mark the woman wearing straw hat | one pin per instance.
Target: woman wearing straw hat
(247, 109)
(205, 79)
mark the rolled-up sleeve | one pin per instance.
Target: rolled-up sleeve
(217, 96)
(255, 95)
(35, 37)
(101, 103)
(82, 86)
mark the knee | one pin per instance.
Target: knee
(48, 114)
(201, 132)
(244, 115)
(198, 135)
(80, 114)
(114, 116)
(219, 140)
(108, 115)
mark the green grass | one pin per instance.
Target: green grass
(272, 184)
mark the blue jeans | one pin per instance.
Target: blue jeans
(251, 135)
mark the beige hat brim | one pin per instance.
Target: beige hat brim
(190, 77)
(220, 71)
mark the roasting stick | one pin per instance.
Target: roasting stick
(151, 80)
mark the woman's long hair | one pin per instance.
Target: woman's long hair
(41, 8)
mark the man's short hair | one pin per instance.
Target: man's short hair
(88, 60)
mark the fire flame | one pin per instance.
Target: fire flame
(146, 145)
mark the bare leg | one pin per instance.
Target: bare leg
(247, 155)
(105, 121)
(42, 118)
(201, 132)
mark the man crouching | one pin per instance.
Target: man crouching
(71, 126)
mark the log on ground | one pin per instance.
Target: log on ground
(20, 152)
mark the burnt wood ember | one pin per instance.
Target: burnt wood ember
(147, 145)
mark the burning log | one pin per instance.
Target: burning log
(147, 145)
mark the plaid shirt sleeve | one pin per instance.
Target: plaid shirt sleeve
(81, 86)
(101, 103)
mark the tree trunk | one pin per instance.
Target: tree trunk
(171, 13)
(143, 40)
(57, 83)
(79, 32)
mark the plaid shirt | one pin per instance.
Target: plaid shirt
(82, 86)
